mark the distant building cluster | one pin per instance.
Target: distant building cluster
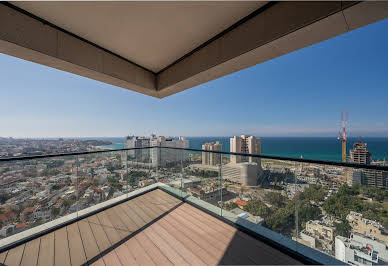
(152, 156)
(10, 147)
(243, 170)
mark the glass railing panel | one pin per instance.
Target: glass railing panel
(101, 177)
(140, 169)
(195, 178)
(318, 222)
(257, 192)
(34, 192)
(342, 211)
(335, 210)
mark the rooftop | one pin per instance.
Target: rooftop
(152, 228)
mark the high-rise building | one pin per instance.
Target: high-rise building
(245, 144)
(244, 169)
(165, 157)
(210, 158)
(360, 154)
(154, 156)
(140, 155)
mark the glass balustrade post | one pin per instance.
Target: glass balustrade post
(182, 173)
(159, 159)
(126, 174)
(220, 181)
(77, 176)
(296, 205)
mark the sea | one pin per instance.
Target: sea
(316, 148)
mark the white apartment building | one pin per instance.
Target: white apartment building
(140, 155)
(360, 250)
(210, 158)
(43, 213)
(244, 170)
(165, 157)
(153, 156)
(366, 227)
(245, 174)
(245, 144)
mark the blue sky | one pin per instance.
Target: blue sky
(299, 94)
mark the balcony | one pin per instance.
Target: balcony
(160, 205)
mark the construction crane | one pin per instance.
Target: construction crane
(343, 135)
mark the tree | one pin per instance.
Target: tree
(257, 208)
(343, 228)
(307, 212)
(55, 212)
(230, 206)
(346, 200)
(281, 221)
(50, 172)
(315, 193)
(276, 199)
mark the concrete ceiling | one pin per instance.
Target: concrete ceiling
(150, 34)
(162, 48)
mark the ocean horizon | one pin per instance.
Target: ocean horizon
(316, 148)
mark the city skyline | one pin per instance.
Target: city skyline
(40, 102)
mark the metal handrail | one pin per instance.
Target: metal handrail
(262, 156)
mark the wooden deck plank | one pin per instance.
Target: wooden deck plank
(31, 252)
(202, 238)
(223, 236)
(99, 262)
(142, 207)
(141, 256)
(153, 251)
(89, 242)
(150, 203)
(207, 235)
(129, 223)
(165, 248)
(250, 244)
(3, 255)
(76, 247)
(108, 227)
(132, 215)
(219, 233)
(184, 251)
(102, 240)
(125, 255)
(138, 207)
(120, 227)
(166, 200)
(201, 229)
(14, 256)
(145, 217)
(169, 200)
(46, 250)
(61, 253)
(183, 235)
(111, 259)
(183, 245)
(202, 253)
(163, 200)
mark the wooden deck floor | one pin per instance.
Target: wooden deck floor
(152, 229)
